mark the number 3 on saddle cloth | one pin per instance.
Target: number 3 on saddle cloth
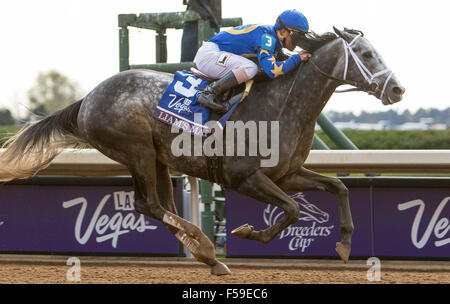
(178, 106)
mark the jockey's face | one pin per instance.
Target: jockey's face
(286, 39)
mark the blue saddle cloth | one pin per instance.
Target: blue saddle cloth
(178, 106)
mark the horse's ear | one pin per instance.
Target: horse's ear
(338, 32)
(341, 34)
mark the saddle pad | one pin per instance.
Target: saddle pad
(178, 106)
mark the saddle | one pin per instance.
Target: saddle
(201, 75)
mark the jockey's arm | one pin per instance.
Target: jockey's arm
(273, 68)
(281, 56)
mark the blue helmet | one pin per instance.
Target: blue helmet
(292, 20)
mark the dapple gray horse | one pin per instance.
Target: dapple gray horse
(116, 118)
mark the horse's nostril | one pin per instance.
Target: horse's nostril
(399, 90)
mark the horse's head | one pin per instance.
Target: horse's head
(353, 61)
(363, 67)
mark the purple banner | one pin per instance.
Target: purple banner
(98, 219)
(315, 233)
(412, 222)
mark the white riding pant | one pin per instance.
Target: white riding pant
(215, 63)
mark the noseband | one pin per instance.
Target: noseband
(372, 86)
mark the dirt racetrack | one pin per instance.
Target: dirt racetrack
(51, 269)
(47, 274)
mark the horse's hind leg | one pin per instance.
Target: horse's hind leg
(156, 181)
(308, 180)
(260, 187)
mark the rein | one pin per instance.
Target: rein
(372, 86)
(289, 92)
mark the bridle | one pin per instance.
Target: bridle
(371, 87)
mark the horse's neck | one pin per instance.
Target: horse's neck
(310, 93)
(295, 100)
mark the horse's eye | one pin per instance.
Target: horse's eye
(367, 54)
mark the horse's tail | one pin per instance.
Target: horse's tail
(39, 142)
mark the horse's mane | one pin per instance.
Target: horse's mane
(312, 41)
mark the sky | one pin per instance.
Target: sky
(80, 39)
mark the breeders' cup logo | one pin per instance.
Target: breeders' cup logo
(108, 227)
(301, 237)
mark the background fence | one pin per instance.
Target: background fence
(393, 216)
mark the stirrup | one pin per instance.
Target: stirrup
(207, 102)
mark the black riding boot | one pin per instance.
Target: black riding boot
(206, 98)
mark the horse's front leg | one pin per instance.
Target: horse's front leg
(260, 187)
(305, 179)
(154, 198)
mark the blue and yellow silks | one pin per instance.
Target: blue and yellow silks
(256, 42)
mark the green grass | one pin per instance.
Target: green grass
(394, 139)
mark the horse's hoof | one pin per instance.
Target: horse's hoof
(243, 231)
(220, 269)
(343, 251)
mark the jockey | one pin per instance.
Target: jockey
(230, 55)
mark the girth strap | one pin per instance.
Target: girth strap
(215, 169)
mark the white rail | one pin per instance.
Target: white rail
(90, 162)
(380, 161)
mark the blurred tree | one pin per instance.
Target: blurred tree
(6, 118)
(52, 91)
(395, 118)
